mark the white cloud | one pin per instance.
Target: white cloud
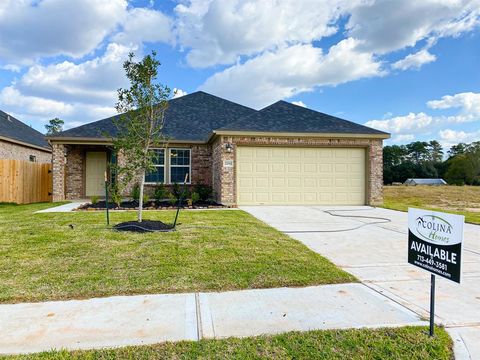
(458, 136)
(92, 81)
(219, 31)
(145, 25)
(78, 92)
(404, 128)
(449, 137)
(284, 73)
(31, 29)
(414, 61)
(299, 103)
(19, 103)
(390, 25)
(406, 138)
(178, 93)
(413, 122)
(11, 67)
(254, 37)
(468, 102)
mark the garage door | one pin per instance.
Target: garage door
(290, 176)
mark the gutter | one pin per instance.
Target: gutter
(105, 141)
(298, 134)
(15, 141)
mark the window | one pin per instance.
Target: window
(158, 174)
(179, 165)
(33, 158)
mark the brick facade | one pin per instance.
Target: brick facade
(69, 170)
(14, 151)
(215, 165)
(58, 169)
(224, 178)
(74, 170)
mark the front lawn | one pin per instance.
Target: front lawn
(463, 200)
(74, 255)
(390, 343)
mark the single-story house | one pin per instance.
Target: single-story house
(435, 182)
(283, 154)
(20, 142)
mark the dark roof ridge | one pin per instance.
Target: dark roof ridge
(18, 131)
(304, 120)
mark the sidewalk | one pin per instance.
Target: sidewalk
(148, 319)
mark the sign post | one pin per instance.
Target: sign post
(435, 244)
(106, 198)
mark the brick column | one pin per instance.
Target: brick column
(375, 194)
(223, 171)
(58, 169)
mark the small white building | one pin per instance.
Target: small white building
(435, 182)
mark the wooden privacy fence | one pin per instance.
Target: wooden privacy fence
(24, 182)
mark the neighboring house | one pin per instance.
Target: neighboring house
(283, 154)
(425, 182)
(20, 142)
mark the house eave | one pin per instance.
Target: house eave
(106, 141)
(298, 134)
(15, 141)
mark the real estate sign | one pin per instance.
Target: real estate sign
(435, 242)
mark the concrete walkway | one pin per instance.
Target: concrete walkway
(64, 208)
(377, 255)
(148, 319)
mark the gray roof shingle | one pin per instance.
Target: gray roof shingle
(195, 116)
(14, 129)
(190, 117)
(283, 116)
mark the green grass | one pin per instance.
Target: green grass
(389, 343)
(463, 200)
(42, 258)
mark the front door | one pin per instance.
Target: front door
(96, 165)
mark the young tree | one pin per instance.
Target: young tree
(54, 126)
(140, 127)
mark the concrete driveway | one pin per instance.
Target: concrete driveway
(377, 255)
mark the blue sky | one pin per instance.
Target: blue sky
(407, 67)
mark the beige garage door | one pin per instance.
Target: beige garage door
(289, 176)
(96, 165)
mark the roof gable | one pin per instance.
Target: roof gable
(283, 116)
(16, 130)
(192, 117)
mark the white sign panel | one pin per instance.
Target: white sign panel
(435, 242)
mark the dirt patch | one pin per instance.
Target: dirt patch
(144, 226)
(149, 205)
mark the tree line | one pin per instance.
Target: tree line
(421, 159)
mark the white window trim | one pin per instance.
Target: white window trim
(189, 166)
(164, 168)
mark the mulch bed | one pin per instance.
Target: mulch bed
(144, 226)
(149, 205)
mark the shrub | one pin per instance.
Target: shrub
(136, 192)
(195, 197)
(94, 199)
(172, 199)
(145, 198)
(176, 190)
(204, 192)
(161, 193)
(115, 194)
